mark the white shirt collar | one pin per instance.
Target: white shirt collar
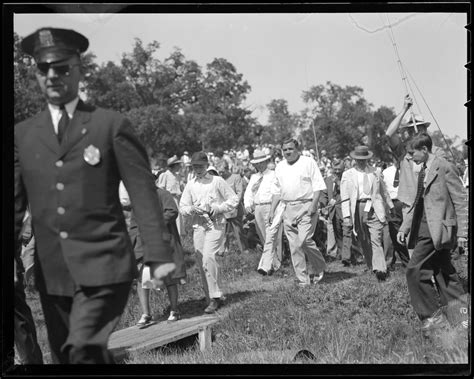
(70, 107)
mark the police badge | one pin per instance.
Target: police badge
(92, 155)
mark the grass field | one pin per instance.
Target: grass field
(348, 318)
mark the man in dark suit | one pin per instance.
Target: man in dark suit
(436, 222)
(69, 160)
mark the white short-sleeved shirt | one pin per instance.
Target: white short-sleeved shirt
(297, 181)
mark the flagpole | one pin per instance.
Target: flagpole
(315, 140)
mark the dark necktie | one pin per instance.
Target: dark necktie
(396, 179)
(63, 123)
(256, 186)
(421, 184)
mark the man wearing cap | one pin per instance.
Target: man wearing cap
(365, 209)
(399, 133)
(206, 198)
(297, 185)
(258, 200)
(437, 221)
(172, 182)
(69, 160)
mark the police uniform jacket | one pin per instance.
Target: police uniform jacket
(77, 218)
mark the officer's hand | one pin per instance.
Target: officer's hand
(332, 202)
(347, 221)
(401, 238)
(160, 271)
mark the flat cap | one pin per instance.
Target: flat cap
(53, 44)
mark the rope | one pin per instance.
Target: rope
(402, 72)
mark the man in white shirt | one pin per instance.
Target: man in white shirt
(365, 210)
(206, 198)
(297, 185)
(258, 200)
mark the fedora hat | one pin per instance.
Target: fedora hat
(361, 152)
(199, 157)
(173, 160)
(48, 45)
(259, 156)
(419, 120)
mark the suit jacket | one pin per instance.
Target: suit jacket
(379, 194)
(77, 218)
(445, 204)
(329, 194)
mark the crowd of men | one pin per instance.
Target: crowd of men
(79, 169)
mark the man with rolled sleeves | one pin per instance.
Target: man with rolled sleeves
(69, 160)
(437, 221)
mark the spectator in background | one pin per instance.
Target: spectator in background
(172, 181)
(365, 210)
(186, 159)
(206, 198)
(391, 246)
(257, 200)
(234, 218)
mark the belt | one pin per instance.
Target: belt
(363, 200)
(265, 203)
(291, 202)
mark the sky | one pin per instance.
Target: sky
(283, 54)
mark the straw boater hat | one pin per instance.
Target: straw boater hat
(259, 156)
(173, 160)
(212, 170)
(361, 152)
(419, 120)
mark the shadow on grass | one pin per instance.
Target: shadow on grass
(337, 276)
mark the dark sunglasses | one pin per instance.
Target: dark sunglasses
(60, 69)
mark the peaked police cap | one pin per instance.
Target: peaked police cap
(52, 44)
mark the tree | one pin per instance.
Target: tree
(341, 117)
(281, 123)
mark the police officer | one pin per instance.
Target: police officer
(69, 160)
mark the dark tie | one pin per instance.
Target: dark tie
(256, 186)
(63, 123)
(421, 185)
(396, 179)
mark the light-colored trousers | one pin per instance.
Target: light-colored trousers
(272, 234)
(370, 235)
(207, 242)
(302, 246)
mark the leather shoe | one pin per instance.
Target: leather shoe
(381, 275)
(261, 271)
(213, 306)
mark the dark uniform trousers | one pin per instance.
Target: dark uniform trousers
(425, 263)
(26, 342)
(79, 327)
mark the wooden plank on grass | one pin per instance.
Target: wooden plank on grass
(133, 339)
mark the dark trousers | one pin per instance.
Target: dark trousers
(351, 251)
(79, 327)
(235, 224)
(338, 234)
(425, 263)
(394, 223)
(26, 342)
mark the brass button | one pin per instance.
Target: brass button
(59, 164)
(59, 186)
(63, 235)
(61, 210)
